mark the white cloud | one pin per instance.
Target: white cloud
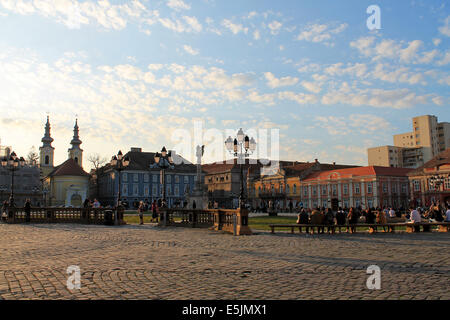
(190, 50)
(445, 29)
(363, 45)
(320, 32)
(437, 41)
(300, 98)
(234, 28)
(178, 5)
(445, 60)
(275, 27)
(256, 35)
(311, 86)
(274, 82)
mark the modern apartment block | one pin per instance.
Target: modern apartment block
(412, 149)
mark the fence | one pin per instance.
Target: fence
(64, 215)
(233, 221)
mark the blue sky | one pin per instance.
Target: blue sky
(136, 71)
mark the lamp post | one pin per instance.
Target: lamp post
(241, 147)
(163, 161)
(119, 163)
(13, 163)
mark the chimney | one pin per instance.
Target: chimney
(136, 149)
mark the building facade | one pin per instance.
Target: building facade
(27, 185)
(365, 187)
(66, 184)
(283, 186)
(423, 191)
(413, 149)
(140, 182)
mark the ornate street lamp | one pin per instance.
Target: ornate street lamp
(119, 163)
(241, 147)
(163, 161)
(13, 163)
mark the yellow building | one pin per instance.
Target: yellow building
(67, 184)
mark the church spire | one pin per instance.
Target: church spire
(47, 139)
(76, 138)
(75, 152)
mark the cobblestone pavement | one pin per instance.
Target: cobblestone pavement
(147, 262)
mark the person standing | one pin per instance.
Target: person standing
(5, 210)
(352, 217)
(416, 219)
(27, 210)
(447, 214)
(154, 211)
(340, 218)
(141, 212)
(381, 219)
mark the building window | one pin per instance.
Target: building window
(154, 190)
(169, 178)
(135, 189)
(345, 203)
(357, 188)
(447, 184)
(186, 179)
(146, 191)
(325, 203)
(305, 191)
(324, 190)
(370, 203)
(155, 178)
(416, 185)
(394, 188)
(369, 188)
(288, 189)
(295, 189)
(357, 203)
(345, 189)
(281, 189)
(47, 159)
(404, 188)
(125, 189)
(314, 192)
(169, 190)
(334, 190)
(125, 177)
(177, 191)
(135, 177)
(146, 178)
(177, 178)
(385, 187)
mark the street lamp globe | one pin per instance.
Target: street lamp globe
(240, 135)
(164, 152)
(229, 143)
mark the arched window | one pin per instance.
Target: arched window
(47, 159)
(76, 159)
(288, 189)
(295, 189)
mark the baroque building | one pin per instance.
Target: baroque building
(66, 184)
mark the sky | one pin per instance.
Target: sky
(142, 73)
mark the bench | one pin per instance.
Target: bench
(426, 226)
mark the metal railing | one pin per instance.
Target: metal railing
(63, 215)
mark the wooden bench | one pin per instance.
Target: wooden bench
(373, 228)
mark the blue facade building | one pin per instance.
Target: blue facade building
(140, 182)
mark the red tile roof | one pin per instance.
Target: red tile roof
(440, 159)
(359, 171)
(68, 168)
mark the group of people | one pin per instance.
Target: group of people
(144, 207)
(337, 219)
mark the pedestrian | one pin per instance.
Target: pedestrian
(340, 218)
(154, 211)
(381, 219)
(303, 218)
(194, 205)
(96, 204)
(317, 219)
(415, 218)
(447, 214)
(27, 210)
(352, 217)
(291, 206)
(5, 210)
(141, 212)
(329, 220)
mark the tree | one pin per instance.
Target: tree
(32, 157)
(97, 162)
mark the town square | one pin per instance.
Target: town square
(223, 151)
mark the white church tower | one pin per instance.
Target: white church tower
(76, 153)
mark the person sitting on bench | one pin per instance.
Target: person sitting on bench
(415, 218)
